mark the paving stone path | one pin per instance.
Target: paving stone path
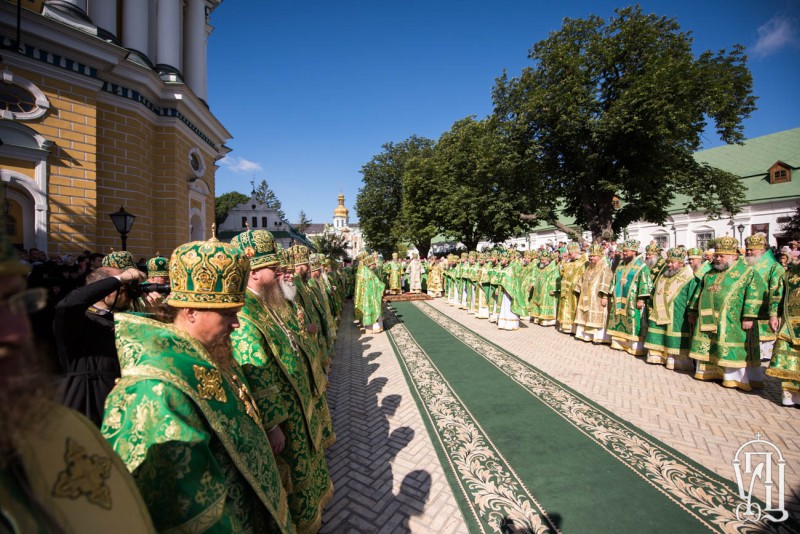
(387, 475)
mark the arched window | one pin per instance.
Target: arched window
(27, 188)
(20, 99)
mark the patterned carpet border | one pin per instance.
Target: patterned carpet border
(700, 493)
(406, 297)
(490, 487)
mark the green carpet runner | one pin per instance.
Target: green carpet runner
(518, 445)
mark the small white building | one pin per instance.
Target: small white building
(341, 225)
(259, 217)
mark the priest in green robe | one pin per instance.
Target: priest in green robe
(698, 262)
(305, 336)
(312, 309)
(394, 272)
(669, 334)
(785, 363)
(654, 260)
(279, 372)
(759, 256)
(571, 269)
(182, 417)
(372, 299)
(512, 301)
(544, 296)
(724, 310)
(630, 292)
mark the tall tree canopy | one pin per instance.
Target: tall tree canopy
(332, 244)
(617, 108)
(303, 223)
(485, 180)
(379, 203)
(225, 202)
(265, 195)
(422, 195)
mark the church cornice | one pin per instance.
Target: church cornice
(90, 57)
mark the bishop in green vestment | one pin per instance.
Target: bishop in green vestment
(631, 290)
(759, 256)
(544, 296)
(669, 333)
(278, 373)
(394, 270)
(785, 363)
(725, 307)
(183, 418)
(654, 260)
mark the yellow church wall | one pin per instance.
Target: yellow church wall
(25, 168)
(71, 167)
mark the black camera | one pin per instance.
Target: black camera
(137, 290)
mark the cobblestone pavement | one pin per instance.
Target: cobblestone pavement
(385, 471)
(387, 475)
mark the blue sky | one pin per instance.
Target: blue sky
(311, 90)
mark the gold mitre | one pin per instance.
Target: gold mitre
(208, 274)
(259, 247)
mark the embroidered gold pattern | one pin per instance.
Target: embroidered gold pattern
(210, 386)
(84, 475)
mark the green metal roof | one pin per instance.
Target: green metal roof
(755, 156)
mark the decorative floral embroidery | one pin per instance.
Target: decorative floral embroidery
(84, 475)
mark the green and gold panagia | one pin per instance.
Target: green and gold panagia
(279, 379)
(191, 434)
(785, 363)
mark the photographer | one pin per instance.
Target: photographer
(84, 332)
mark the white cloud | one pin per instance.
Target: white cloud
(242, 165)
(778, 32)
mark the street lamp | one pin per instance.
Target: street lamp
(123, 221)
(741, 231)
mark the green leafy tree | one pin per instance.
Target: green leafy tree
(225, 202)
(792, 228)
(379, 203)
(332, 244)
(422, 196)
(265, 195)
(485, 180)
(618, 108)
(303, 223)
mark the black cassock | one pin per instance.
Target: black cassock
(86, 350)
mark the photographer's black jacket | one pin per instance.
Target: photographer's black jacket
(86, 350)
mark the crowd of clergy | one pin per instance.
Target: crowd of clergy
(214, 413)
(724, 313)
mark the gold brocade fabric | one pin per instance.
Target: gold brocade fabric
(593, 285)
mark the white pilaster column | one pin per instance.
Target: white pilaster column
(195, 46)
(169, 40)
(135, 21)
(104, 15)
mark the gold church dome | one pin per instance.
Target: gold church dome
(340, 210)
